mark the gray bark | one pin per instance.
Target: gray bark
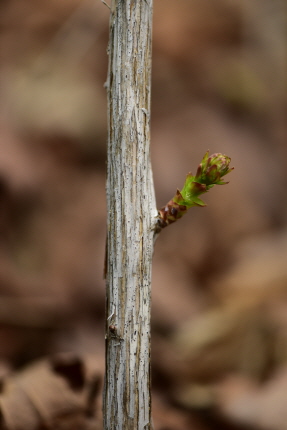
(131, 219)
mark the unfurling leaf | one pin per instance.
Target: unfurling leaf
(209, 173)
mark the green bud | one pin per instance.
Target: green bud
(209, 173)
(212, 169)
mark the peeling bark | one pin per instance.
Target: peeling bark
(131, 218)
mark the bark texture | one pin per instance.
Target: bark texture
(131, 218)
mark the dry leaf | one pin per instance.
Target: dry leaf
(57, 394)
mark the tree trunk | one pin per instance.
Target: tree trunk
(131, 219)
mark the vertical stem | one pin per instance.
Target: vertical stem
(131, 218)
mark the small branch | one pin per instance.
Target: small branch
(106, 4)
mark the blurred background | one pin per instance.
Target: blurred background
(219, 316)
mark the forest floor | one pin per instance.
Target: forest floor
(219, 315)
